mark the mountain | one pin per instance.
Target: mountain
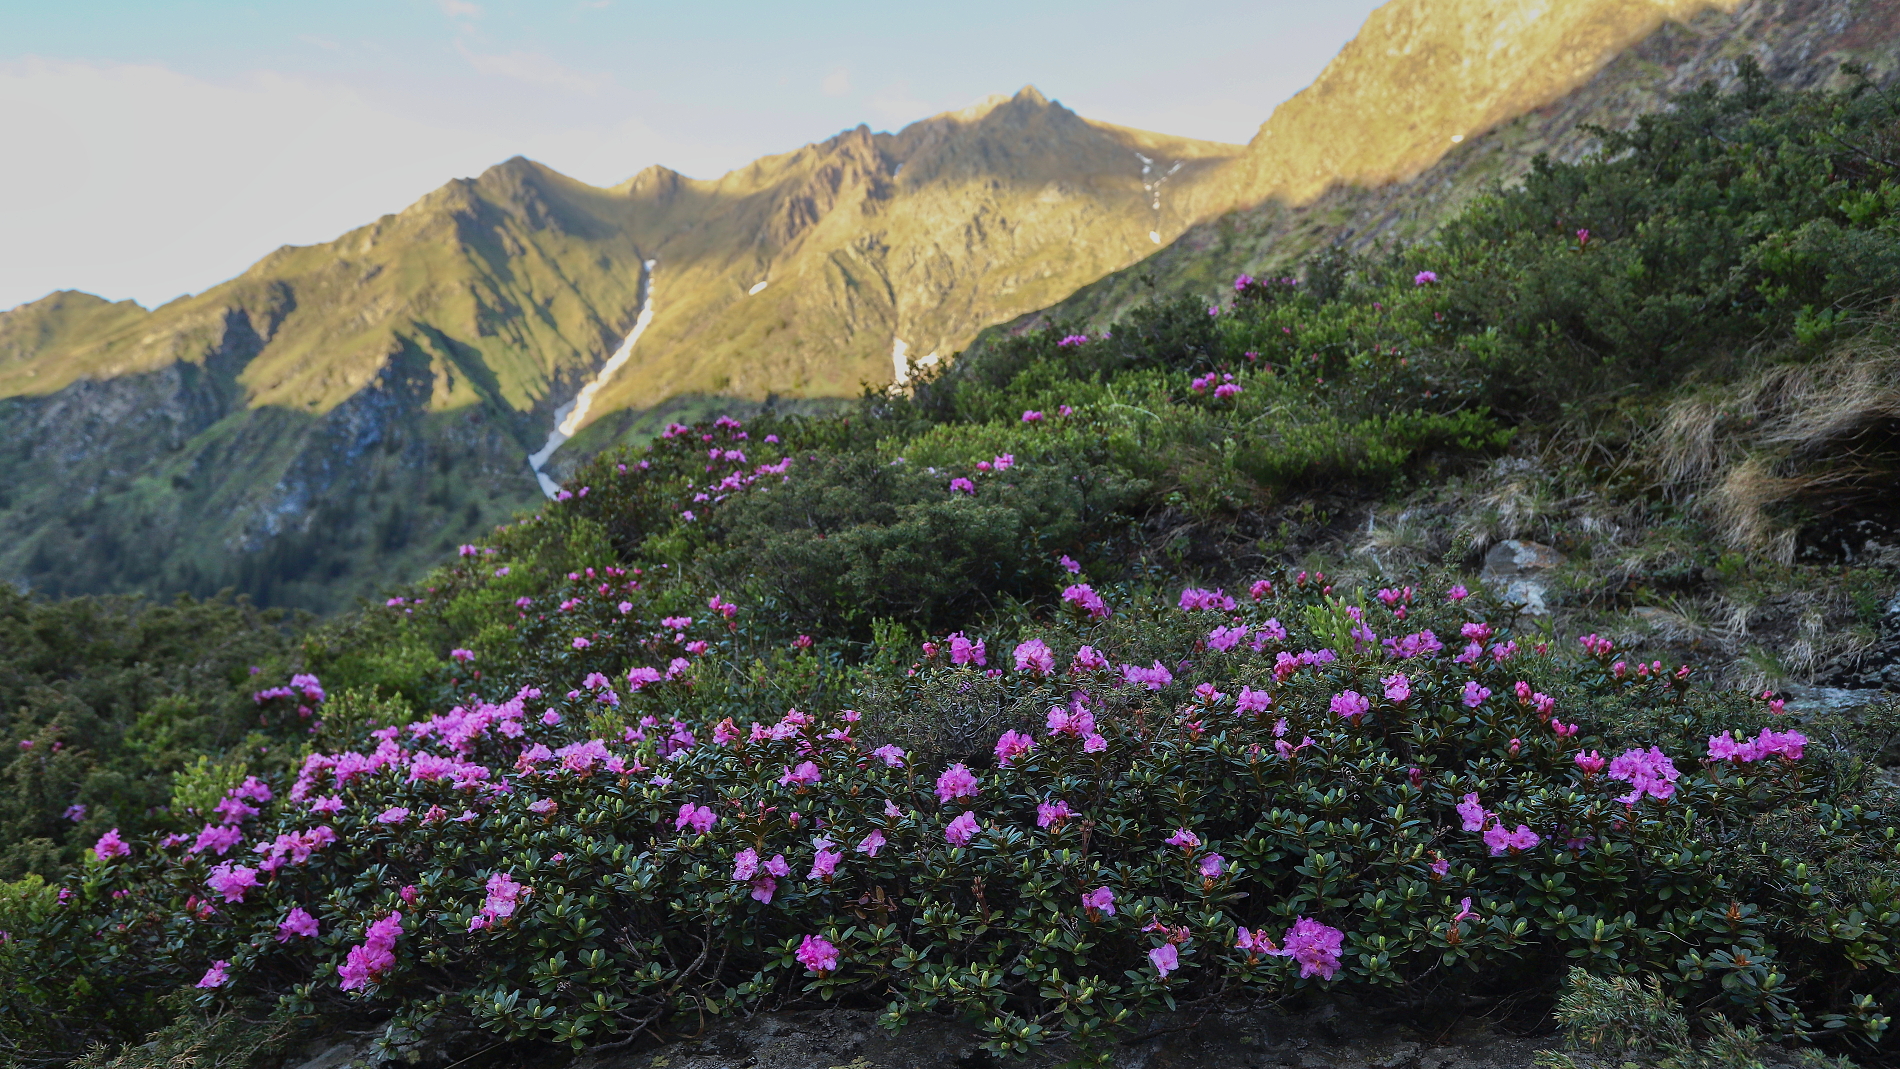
(1459, 96)
(340, 413)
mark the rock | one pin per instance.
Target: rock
(1810, 700)
(1339, 1036)
(1520, 572)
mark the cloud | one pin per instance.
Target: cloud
(837, 83)
(460, 9)
(537, 68)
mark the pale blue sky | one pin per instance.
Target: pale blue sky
(157, 148)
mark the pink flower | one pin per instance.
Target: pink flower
(1012, 745)
(1457, 593)
(1094, 744)
(763, 888)
(963, 651)
(1069, 564)
(1424, 278)
(543, 806)
(329, 804)
(805, 775)
(1441, 866)
(961, 485)
(1032, 416)
(581, 643)
(231, 880)
(1084, 597)
(891, 755)
(1048, 813)
(961, 830)
(1165, 959)
(1184, 839)
(1212, 866)
(1153, 678)
(215, 976)
(745, 865)
(1475, 694)
(375, 956)
(1222, 639)
(1647, 772)
(817, 954)
(395, 814)
(1101, 900)
(455, 655)
(1315, 946)
(824, 862)
(871, 844)
(1591, 763)
(699, 818)
(1194, 599)
(1350, 703)
(1398, 688)
(1252, 701)
(110, 846)
(217, 839)
(1035, 656)
(1087, 660)
(296, 923)
(1500, 840)
(1473, 813)
(956, 782)
(1226, 390)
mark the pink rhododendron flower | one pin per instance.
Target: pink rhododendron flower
(805, 775)
(297, 922)
(374, 957)
(1194, 599)
(1184, 839)
(231, 880)
(871, 844)
(1084, 597)
(1222, 639)
(217, 839)
(1647, 772)
(110, 846)
(1165, 959)
(1261, 588)
(817, 954)
(1032, 416)
(1035, 656)
(1315, 946)
(1153, 678)
(1012, 745)
(956, 782)
(961, 830)
(1473, 813)
(1348, 704)
(1591, 763)
(329, 804)
(1252, 701)
(1094, 744)
(1212, 866)
(1087, 660)
(699, 818)
(1101, 900)
(1069, 564)
(824, 862)
(1420, 644)
(1425, 278)
(395, 814)
(1398, 688)
(1457, 593)
(1500, 840)
(1226, 390)
(961, 485)
(216, 976)
(1048, 813)
(1475, 695)
(963, 651)
(891, 755)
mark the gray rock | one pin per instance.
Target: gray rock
(1808, 700)
(1520, 573)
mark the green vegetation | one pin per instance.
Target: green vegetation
(676, 672)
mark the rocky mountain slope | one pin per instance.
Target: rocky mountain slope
(1460, 98)
(341, 412)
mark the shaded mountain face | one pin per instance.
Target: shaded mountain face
(341, 413)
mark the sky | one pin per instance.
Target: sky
(154, 149)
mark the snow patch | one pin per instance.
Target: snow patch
(569, 417)
(758, 288)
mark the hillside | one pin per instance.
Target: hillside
(1461, 97)
(341, 413)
